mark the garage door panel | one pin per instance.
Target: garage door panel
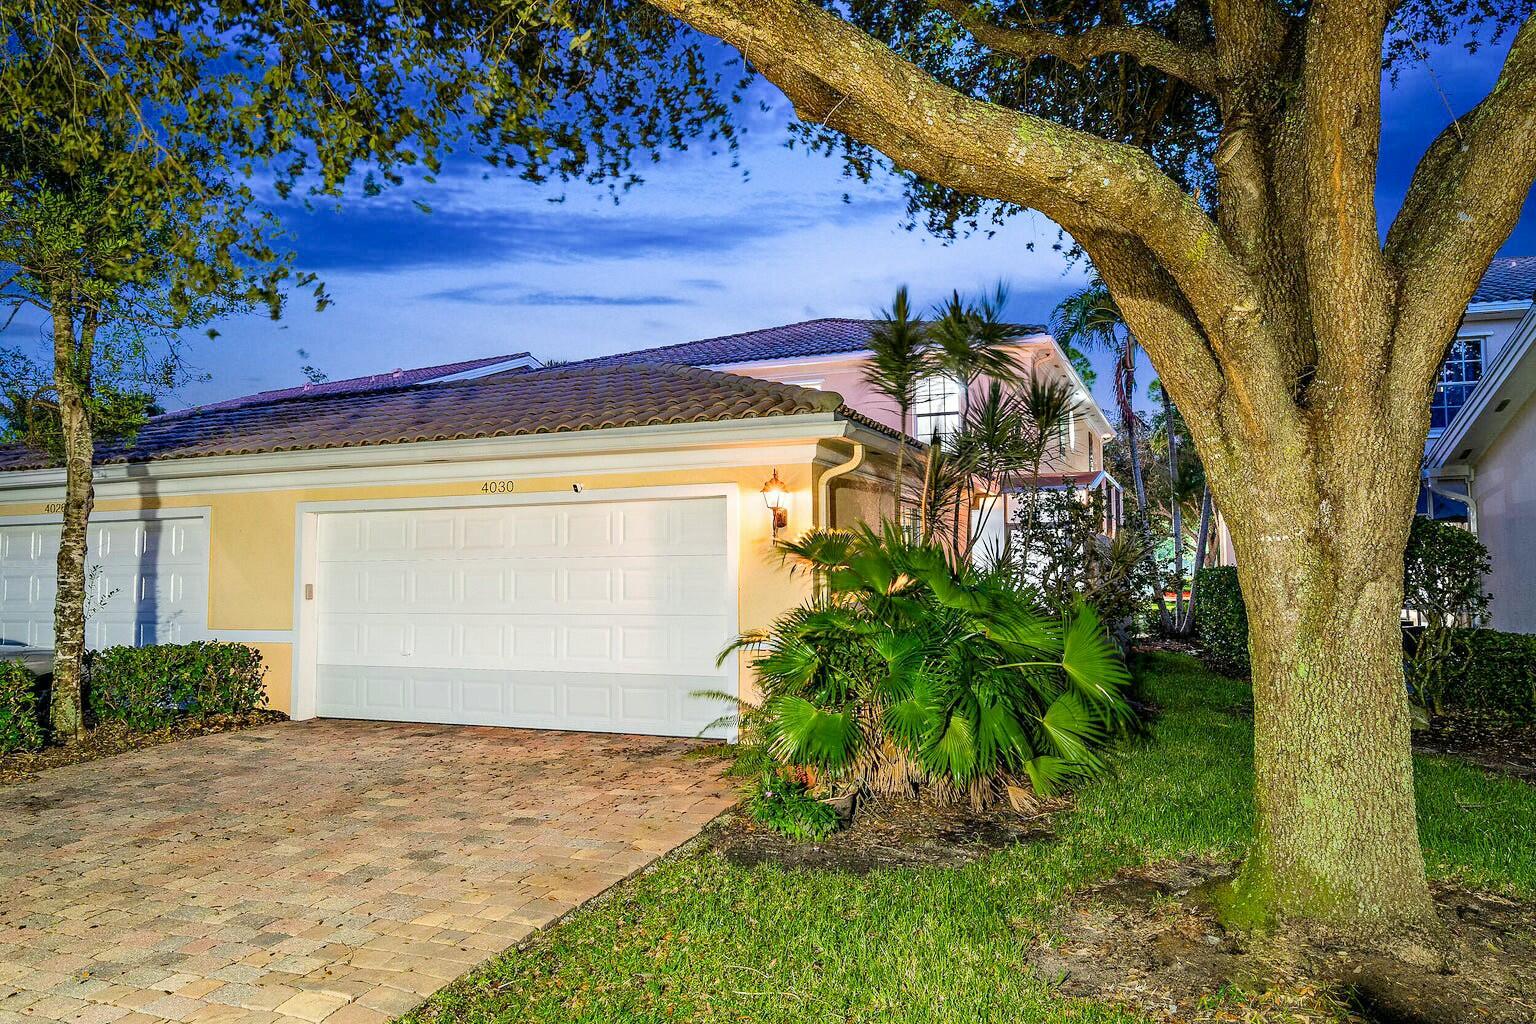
(147, 581)
(635, 528)
(680, 585)
(583, 643)
(602, 616)
(532, 700)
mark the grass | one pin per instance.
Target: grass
(699, 940)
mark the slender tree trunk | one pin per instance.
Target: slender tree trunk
(901, 466)
(71, 357)
(1320, 543)
(1176, 512)
(1138, 478)
(1202, 541)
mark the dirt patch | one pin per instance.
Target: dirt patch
(110, 740)
(1148, 938)
(884, 834)
(1494, 746)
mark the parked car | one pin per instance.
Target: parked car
(38, 659)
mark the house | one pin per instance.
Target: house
(1480, 459)
(490, 542)
(392, 550)
(833, 354)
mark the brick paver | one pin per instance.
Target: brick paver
(317, 871)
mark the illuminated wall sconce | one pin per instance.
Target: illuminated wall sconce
(775, 496)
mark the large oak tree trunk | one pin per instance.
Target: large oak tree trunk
(70, 356)
(1320, 556)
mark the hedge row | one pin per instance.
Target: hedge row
(141, 687)
(21, 711)
(151, 687)
(1489, 673)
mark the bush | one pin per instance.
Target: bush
(787, 806)
(910, 674)
(1221, 619)
(151, 687)
(1489, 674)
(1061, 550)
(21, 713)
(1443, 570)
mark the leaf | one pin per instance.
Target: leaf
(798, 732)
(1091, 661)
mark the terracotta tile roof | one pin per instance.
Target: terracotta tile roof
(828, 336)
(372, 382)
(552, 400)
(1509, 279)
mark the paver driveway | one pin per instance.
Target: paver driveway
(336, 871)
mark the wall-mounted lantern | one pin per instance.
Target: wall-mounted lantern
(776, 496)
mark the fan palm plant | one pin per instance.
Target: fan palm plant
(913, 674)
(899, 361)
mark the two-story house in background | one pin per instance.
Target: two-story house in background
(833, 354)
(1480, 459)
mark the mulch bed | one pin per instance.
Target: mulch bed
(1148, 938)
(1494, 746)
(113, 739)
(885, 834)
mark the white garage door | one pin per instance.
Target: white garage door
(600, 616)
(146, 582)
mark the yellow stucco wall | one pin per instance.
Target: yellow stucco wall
(253, 536)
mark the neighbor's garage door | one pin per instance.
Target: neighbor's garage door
(602, 616)
(147, 581)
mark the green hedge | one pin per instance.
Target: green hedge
(151, 687)
(21, 713)
(1492, 674)
(1221, 620)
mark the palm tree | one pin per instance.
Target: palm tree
(1090, 318)
(971, 340)
(898, 363)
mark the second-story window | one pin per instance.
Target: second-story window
(937, 409)
(1459, 374)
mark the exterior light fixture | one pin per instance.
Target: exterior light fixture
(775, 495)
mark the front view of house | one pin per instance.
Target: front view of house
(549, 548)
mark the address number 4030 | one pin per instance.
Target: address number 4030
(496, 487)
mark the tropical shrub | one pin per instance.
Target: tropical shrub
(151, 687)
(21, 714)
(1221, 619)
(909, 674)
(1443, 572)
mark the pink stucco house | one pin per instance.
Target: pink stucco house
(832, 354)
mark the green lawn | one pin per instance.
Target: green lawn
(700, 940)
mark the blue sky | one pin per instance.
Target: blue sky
(702, 248)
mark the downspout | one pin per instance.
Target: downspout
(1461, 499)
(824, 485)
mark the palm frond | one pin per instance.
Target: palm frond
(799, 732)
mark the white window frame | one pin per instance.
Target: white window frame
(938, 403)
